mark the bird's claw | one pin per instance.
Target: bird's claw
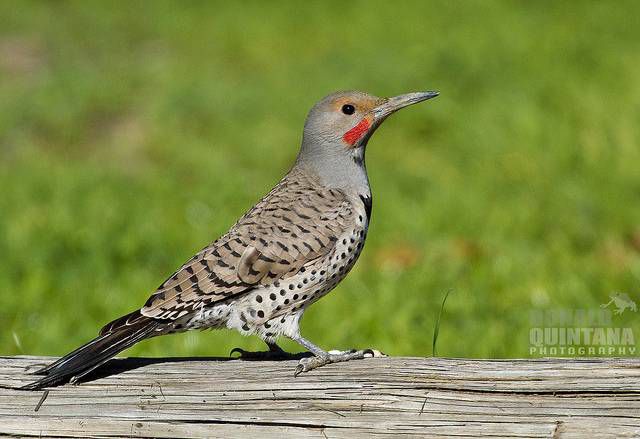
(309, 363)
(299, 369)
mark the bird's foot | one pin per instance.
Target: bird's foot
(310, 363)
(273, 354)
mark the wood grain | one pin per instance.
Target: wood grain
(426, 397)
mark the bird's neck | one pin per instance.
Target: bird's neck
(347, 172)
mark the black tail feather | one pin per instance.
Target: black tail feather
(98, 351)
(129, 320)
(60, 361)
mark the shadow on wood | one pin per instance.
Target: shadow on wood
(118, 365)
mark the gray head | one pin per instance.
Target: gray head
(337, 130)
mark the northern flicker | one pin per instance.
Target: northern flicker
(289, 250)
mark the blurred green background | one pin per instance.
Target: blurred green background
(134, 133)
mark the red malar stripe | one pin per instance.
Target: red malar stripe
(355, 133)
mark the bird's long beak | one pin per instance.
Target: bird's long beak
(391, 105)
(360, 134)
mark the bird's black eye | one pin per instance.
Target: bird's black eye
(348, 109)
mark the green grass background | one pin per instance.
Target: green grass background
(133, 133)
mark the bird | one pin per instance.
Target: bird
(285, 253)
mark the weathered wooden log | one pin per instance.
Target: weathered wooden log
(201, 397)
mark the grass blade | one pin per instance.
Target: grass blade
(436, 329)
